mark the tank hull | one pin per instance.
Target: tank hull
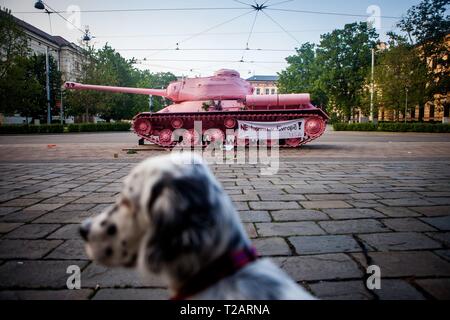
(168, 129)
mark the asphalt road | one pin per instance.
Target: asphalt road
(330, 136)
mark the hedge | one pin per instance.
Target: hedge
(393, 127)
(25, 129)
(103, 126)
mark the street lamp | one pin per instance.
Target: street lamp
(40, 5)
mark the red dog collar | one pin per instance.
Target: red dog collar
(225, 266)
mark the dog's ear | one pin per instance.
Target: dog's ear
(180, 209)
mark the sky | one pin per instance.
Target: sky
(208, 40)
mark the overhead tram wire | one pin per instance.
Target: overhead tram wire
(54, 11)
(206, 49)
(281, 27)
(206, 30)
(139, 10)
(278, 3)
(330, 13)
(250, 34)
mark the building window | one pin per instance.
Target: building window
(267, 91)
(258, 91)
(273, 91)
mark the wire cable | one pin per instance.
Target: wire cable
(281, 27)
(330, 13)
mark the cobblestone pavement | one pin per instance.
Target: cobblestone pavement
(323, 222)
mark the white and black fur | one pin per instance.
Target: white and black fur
(172, 219)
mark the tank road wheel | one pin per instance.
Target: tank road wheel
(142, 126)
(314, 126)
(229, 123)
(214, 135)
(294, 142)
(165, 137)
(191, 137)
(177, 123)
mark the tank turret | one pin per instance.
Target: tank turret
(220, 101)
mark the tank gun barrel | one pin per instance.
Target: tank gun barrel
(143, 91)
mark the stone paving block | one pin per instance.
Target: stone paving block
(95, 199)
(320, 267)
(20, 202)
(306, 190)
(67, 232)
(335, 204)
(445, 254)
(438, 288)
(7, 227)
(288, 229)
(407, 264)
(392, 289)
(399, 241)
(42, 207)
(242, 206)
(318, 197)
(397, 212)
(7, 210)
(32, 231)
(272, 247)
(65, 217)
(59, 199)
(443, 237)
(95, 275)
(441, 223)
(273, 205)
(439, 201)
(299, 215)
(405, 202)
(344, 214)
(36, 274)
(397, 195)
(324, 244)
(82, 294)
(407, 224)
(250, 229)
(132, 294)
(22, 216)
(343, 290)
(364, 196)
(26, 249)
(255, 216)
(69, 250)
(244, 197)
(434, 211)
(281, 197)
(77, 207)
(353, 226)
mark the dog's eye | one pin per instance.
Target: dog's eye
(112, 230)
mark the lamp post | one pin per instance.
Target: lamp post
(372, 87)
(40, 6)
(406, 103)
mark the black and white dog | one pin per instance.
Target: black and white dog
(173, 219)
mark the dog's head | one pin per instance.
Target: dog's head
(171, 209)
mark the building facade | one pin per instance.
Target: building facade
(264, 85)
(68, 56)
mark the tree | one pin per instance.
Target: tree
(303, 75)
(13, 42)
(107, 67)
(400, 72)
(345, 59)
(426, 25)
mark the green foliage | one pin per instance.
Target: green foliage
(400, 71)
(303, 75)
(393, 127)
(94, 127)
(26, 129)
(426, 25)
(107, 67)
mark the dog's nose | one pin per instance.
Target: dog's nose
(85, 228)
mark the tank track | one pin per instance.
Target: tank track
(161, 121)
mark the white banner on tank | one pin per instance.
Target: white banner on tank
(271, 130)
